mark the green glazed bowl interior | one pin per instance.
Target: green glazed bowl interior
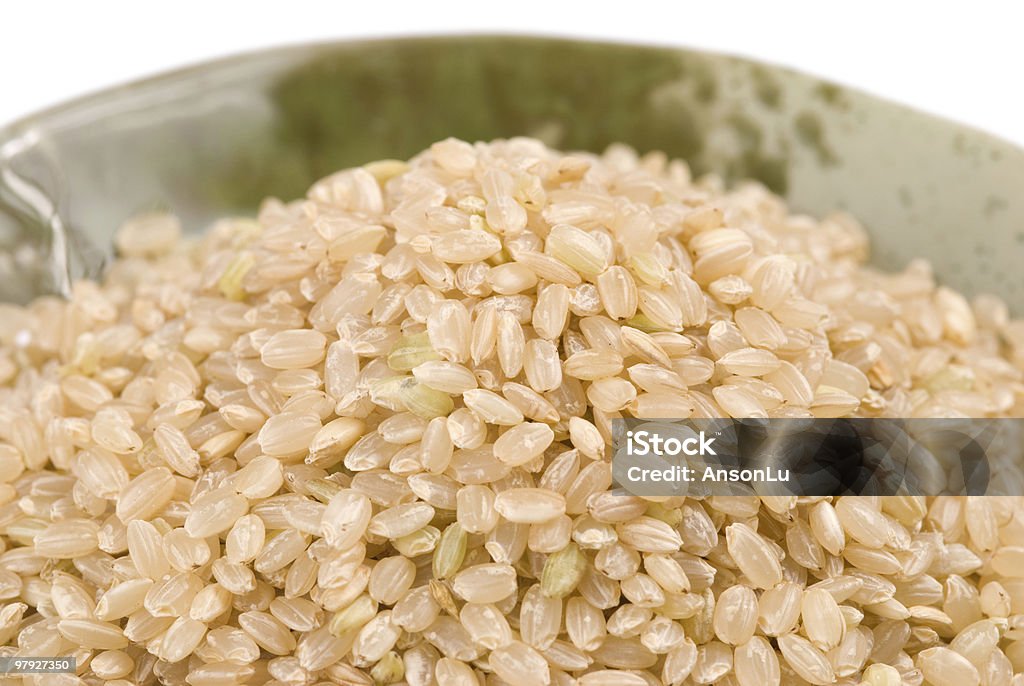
(213, 140)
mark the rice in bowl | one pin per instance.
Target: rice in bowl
(362, 439)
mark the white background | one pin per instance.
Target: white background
(964, 60)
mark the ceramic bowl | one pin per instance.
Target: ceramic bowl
(213, 139)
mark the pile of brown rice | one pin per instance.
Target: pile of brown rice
(362, 440)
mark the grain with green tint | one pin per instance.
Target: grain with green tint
(449, 552)
(410, 352)
(357, 614)
(424, 401)
(563, 571)
(230, 282)
(389, 670)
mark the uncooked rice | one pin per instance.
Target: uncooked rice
(363, 439)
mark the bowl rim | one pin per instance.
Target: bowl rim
(13, 130)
